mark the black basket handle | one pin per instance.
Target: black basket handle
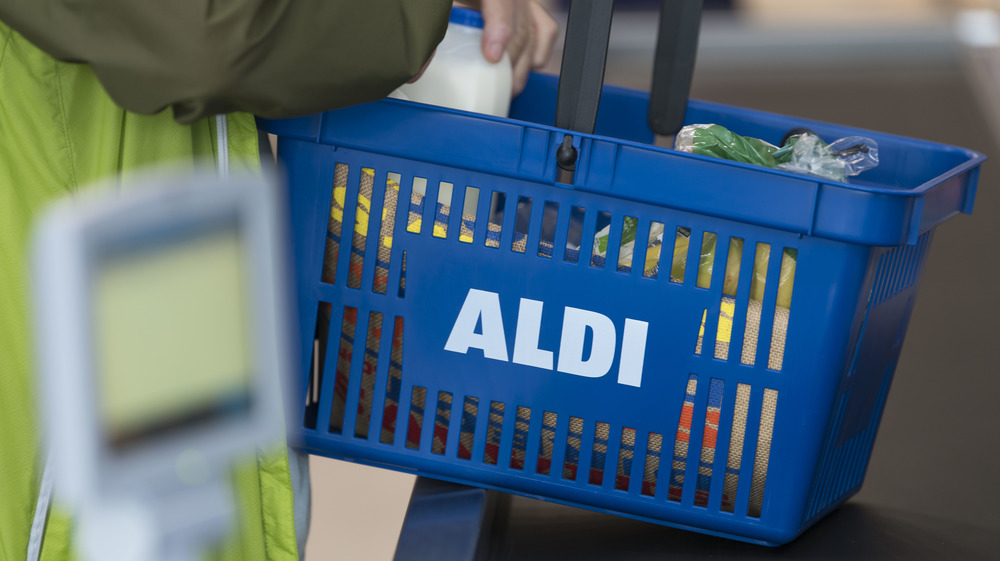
(588, 30)
(584, 55)
(673, 64)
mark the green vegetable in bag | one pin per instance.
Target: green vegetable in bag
(802, 152)
(628, 235)
(720, 142)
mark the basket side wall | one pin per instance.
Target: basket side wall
(891, 287)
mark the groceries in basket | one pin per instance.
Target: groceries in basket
(802, 151)
(706, 262)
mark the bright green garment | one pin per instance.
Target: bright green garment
(59, 131)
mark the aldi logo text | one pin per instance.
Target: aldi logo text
(483, 308)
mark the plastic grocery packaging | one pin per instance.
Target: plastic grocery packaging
(678, 263)
(801, 152)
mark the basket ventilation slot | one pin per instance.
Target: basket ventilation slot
(708, 442)
(442, 208)
(627, 246)
(368, 375)
(547, 237)
(521, 224)
(467, 429)
(598, 456)
(418, 401)
(414, 219)
(495, 223)
(314, 386)
(757, 285)
(546, 442)
(521, 424)
(654, 250)
(682, 441)
(654, 446)
(726, 314)
(705, 262)
(335, 224)
(678, 263)
(782, 309)
(442, 419)
(735, 458)
(764, 434)
(386, 232)
(625, 455)
(360, 235)
(602, 238)
(574, 439)
(574, 236)
(394, 384)
(342, 378)
(493, 431)
(469, 206)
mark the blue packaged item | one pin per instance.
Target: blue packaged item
(725, 372)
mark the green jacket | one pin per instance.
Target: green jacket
(62, 126)
(274, 58)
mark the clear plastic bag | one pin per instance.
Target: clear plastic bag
(801, 153)
(837, 161)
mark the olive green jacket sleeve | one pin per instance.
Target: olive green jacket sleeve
(275, 58)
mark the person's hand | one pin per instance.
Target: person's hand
(523, 28)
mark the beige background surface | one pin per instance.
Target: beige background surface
(357, 510)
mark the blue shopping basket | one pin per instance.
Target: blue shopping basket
(660, 335)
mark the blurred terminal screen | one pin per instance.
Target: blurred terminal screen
(172, 334)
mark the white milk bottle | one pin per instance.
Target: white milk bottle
(459, 76)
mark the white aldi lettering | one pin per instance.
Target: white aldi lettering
(483, 308)
(485, 305)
